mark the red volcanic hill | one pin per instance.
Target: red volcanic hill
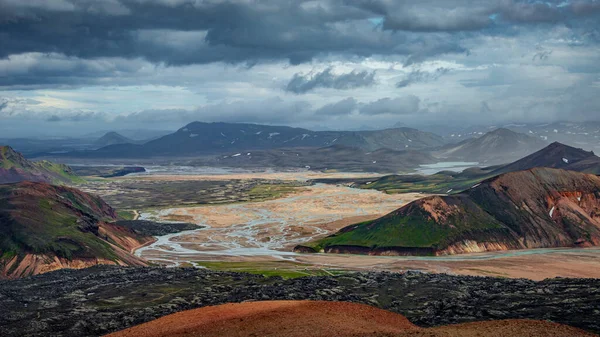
(45, 227)
(326, 319)
(536, 208)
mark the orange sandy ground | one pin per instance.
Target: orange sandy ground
(327, 319)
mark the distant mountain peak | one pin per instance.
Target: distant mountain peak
(495, 147)
(555, 155)
(112, 138)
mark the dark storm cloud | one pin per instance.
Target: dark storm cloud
(182, 32)
(40, 70)
(472, 15)
(186, 32)
(418, 76)
(301, 83)
(341, 108)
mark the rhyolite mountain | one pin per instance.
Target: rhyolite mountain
(45, 227)
(335, 157)
(536, 208)
(199, 138)
(112, 138)
(15, 168)
(495, 147)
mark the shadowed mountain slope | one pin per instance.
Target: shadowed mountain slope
(495, 147)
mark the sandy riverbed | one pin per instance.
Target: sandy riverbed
(270, 228)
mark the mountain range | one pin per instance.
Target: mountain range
(580, 134)
(535, 208)
(216, 138)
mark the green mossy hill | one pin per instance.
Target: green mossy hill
(15, 168)
(42, 219)
(536, 208)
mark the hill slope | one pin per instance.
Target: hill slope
(14, 168)
(537, 208)
(495, 147)
(322, 318)
(45, 227)
(216, 138)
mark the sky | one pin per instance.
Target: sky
(71, 67)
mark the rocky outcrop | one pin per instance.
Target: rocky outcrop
(536, 208)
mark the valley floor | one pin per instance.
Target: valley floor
(258, 236)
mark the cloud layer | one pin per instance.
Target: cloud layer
(74, 65)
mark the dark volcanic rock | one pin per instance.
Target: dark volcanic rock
(102, 299)
(152, 228)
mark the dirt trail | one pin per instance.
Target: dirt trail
(331, 319)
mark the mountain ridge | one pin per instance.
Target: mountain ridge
(199, 138)
(14, 167)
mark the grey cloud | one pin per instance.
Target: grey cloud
(471, 15)
(341, 108)
(396, 106)
(417, 76)
(541, 54)
(530, 12)
(272, 110)
(214, 31)
(301, 83)
(38, 70)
